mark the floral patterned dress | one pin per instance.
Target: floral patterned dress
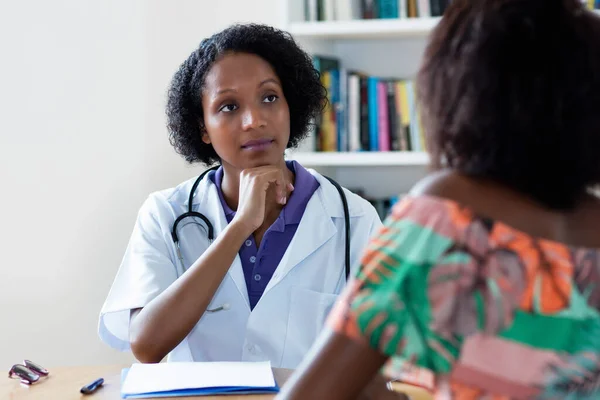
(474, 309)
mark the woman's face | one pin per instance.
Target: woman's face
(246, 116)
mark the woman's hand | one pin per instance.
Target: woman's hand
(255, 185)
(378, 390)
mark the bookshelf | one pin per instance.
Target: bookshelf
(390, 47)
(361, 159)
(379, 47)
(364, 29)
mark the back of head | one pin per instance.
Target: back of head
(509, 90)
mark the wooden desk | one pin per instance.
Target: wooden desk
(64, 383)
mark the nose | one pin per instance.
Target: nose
(253, 118)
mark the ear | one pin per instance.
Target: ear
(205, 137)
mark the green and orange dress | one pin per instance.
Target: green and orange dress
(474, 309)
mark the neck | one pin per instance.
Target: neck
(231, 187)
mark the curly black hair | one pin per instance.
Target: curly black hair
(301, 85)
(509, 90)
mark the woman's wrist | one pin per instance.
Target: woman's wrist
(239, 231)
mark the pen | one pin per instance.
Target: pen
(92, 387)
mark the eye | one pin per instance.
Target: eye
(270, 98)
(227, 108)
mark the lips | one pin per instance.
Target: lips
(258, 144)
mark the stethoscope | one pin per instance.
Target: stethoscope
(211, 231)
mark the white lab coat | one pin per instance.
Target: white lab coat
(291, 312)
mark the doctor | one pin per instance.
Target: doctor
(261, 290)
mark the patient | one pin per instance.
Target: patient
(484, 282)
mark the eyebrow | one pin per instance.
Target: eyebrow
(269, 80)
(225, 91)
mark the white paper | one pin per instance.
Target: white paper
(149, 378)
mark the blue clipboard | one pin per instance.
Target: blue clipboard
(199, 392)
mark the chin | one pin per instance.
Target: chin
(260, 159)
(259, 163)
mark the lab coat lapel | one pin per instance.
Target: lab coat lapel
(315, 229)
(211, 203)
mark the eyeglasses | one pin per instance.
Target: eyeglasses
(28, 372)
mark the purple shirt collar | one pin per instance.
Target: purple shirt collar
(260, 262)
(292, 212)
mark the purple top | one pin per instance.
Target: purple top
(259, 264)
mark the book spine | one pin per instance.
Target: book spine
(405, 114)
(436, 8)
(311, 11)
(411, 9)
(388, 8)
(354, 110)
(369, 9)
(373, 115)
(414, 122)
(402, 9)
(382, 107)
(365, 135)
(424, 10)
(401, 131)
(342, 111)
(334, 93)
(320, 10)
(392, 116)
(347, 9)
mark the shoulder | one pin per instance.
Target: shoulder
(484, 196)
(437, 198)
(428, 216)
(446, 184)
(170, 200)
(434, 215)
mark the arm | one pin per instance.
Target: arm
(345, 361)
(165, 321)
(339, 368)
(161, 325)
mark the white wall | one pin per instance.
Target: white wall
(82, 143)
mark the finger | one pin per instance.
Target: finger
(281, 192)
(273, 178)
(277, 178)
(284, 187)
